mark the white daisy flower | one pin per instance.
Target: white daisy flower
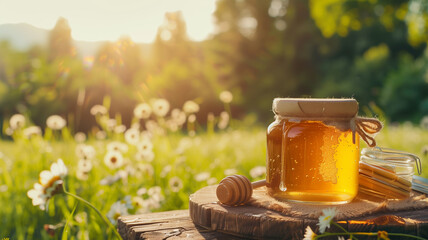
(80, 137)
(326, 218)
(190, 107)
(84, 165)
(113, 159)
(117, 146)
(309, 234)
(17, 121)
(156, 193)
(98, 110)
(226, 97)
(32, 131)
(258, 171)
(50, 183)
(138, 202)
(85, 152)
(55, 122)
(175, 184)
(132, 136)
(117, 209)
(145, 146)
(142, 111)
(38, 196)
(160, 107)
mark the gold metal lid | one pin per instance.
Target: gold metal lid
(315, 107)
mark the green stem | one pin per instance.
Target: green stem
(97, 211)
(343, 229)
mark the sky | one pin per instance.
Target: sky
(96, 20)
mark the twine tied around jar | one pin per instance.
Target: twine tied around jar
(365, 127)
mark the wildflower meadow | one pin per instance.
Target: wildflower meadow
(152, 165)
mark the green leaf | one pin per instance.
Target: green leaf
(66, 226)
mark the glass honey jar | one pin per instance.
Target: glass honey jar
(313, 151)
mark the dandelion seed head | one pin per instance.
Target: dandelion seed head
(119, 129)
(17, 121)
(84, 151)
(32, 131)
(191, 118)
(55, 122)
(226, 97)
(160, 107)
(190, 107)
(117, 146)
(142, 111)
(80, 137)
(100, 135)
(178, 116)
(98, 110)
(132, 136)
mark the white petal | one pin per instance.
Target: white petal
(45, 177)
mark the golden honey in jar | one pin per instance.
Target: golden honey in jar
(312, 153)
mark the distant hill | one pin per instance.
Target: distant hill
(22, 36)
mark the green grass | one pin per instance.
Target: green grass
(177, 155)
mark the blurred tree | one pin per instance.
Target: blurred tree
(177, 70)
(60, 41)
(123, 58)
(266, 49)
(366, 42)
(342, 16)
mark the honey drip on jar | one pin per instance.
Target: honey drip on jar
(312, 162)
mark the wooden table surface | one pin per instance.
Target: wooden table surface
(166, 225)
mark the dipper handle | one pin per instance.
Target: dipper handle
(236, 189)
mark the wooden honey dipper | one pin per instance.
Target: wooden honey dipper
(236, 190)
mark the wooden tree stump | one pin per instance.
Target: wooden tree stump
(252, 222)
